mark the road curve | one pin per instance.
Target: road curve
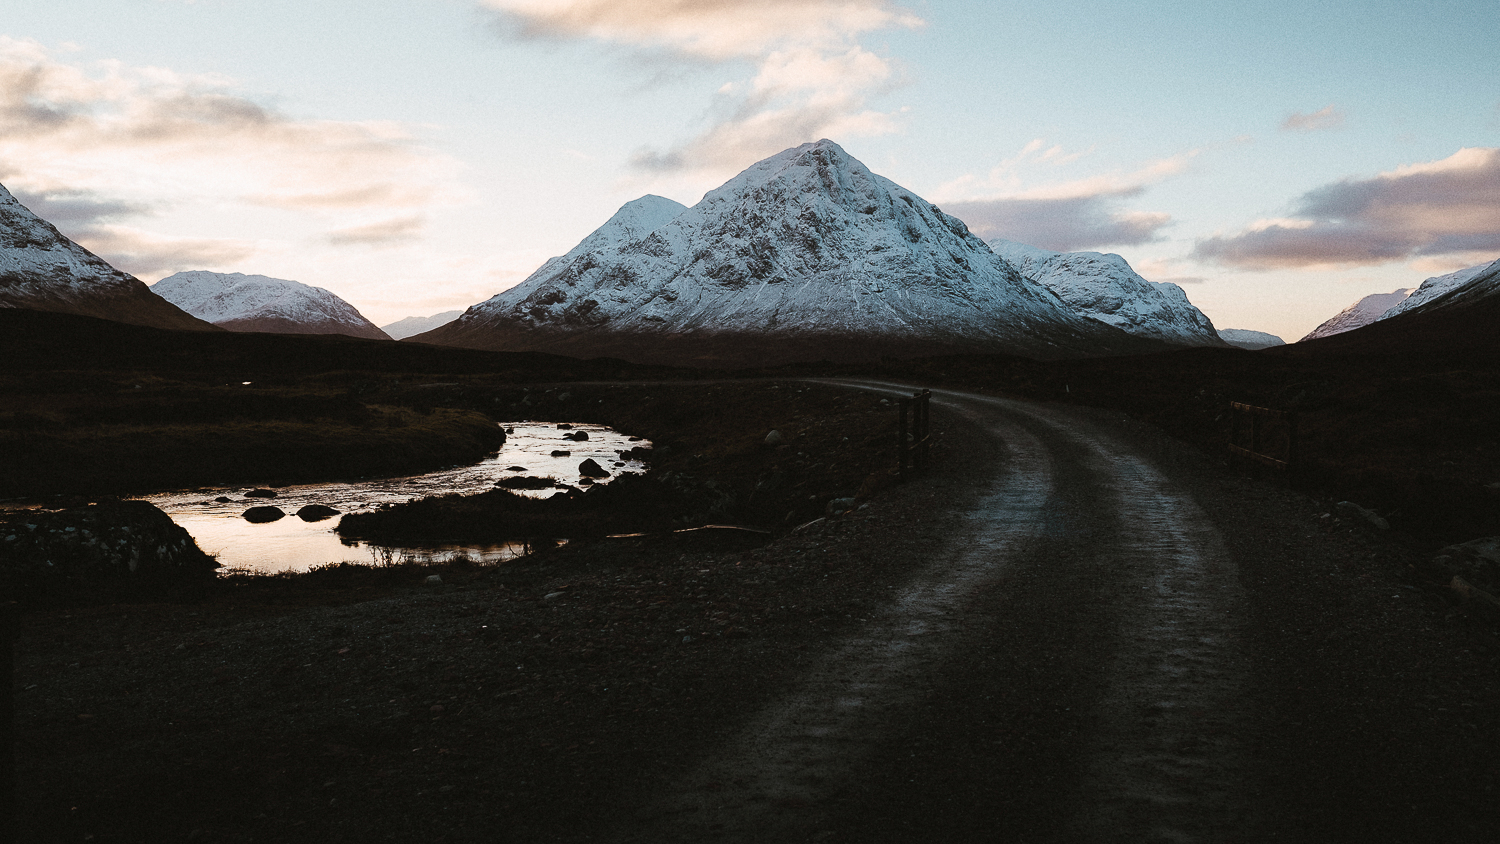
(1129, 600)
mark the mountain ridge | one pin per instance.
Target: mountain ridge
(806, 253)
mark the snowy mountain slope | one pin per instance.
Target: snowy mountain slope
(1104, 287)
(42, 270)
(1359, 314)
(403, 328)
(1247, 339)
(240, 302)
(806, 254)
(1467, 285)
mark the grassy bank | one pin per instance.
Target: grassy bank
(118, 438)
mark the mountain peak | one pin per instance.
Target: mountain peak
(241, 302)
(805, 254)
(42, 270)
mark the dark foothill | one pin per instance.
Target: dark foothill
(591, 469)
(261, 515)
(562, 454)
(261, 493)
(316, 513)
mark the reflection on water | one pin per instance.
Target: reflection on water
(290, 544)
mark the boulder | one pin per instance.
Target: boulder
(775, 438)
(577, 436)
(562, 453)
(98, 545)
(315, 512)
(261, 493)
(515, 469)
(838, 507)
(1365, 513)
(261, 515)
(223, 499)
(590, 468)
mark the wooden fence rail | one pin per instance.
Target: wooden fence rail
(1267, 429)
(912, 445)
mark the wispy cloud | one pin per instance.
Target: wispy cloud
(109, 143)
(1327, 117)
(1060, 213)
(1446, 207)
(1063, 225)
(812, 78)
(383, 233)
(148, 254)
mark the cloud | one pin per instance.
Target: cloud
(152, 256)
(812, 78)
(1446, 207)
(77, 207)
(1326, 117)
(1063, 215)
(106, 142)
(1062, 225)
(384, 233)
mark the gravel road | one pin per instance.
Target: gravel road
(1106, 650)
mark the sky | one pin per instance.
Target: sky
(1277, 159)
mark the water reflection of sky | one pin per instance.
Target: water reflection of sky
(290, 544)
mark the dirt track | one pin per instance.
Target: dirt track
(1092, 658)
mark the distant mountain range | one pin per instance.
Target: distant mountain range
(809, 255)
(1244, 338)
(1359, 314)
(41, 270)
(404, 328)
(1456, 289)
(239, 302)
(1104, 287)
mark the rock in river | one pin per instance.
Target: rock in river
(315, 512)
(261, 493)
(590, 468)
(260, 515)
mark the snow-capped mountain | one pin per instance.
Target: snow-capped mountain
(41, 270)
(1467, 285)
(1247, 339)
(804, 255)
(403, 328)
(1104, 287)
(240, 302)
(1360, 314)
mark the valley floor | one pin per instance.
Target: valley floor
(1072, 629)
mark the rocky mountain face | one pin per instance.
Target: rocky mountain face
(805, 255)
(1360, 314)
(404, 328)
(1460, 288)
(1247, 339)
(1104, 287)
(240, 302)
(41, 270)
